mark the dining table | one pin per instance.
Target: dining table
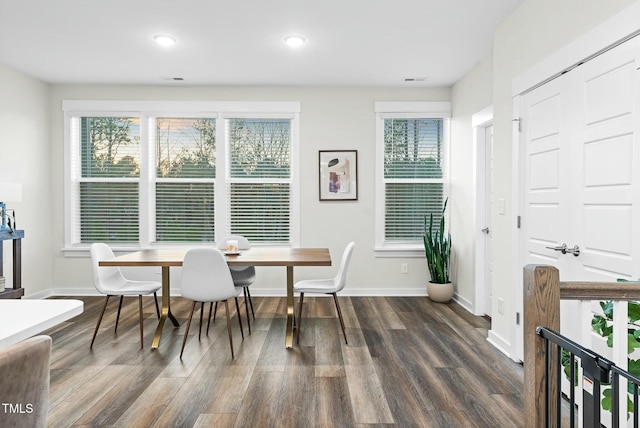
(256, 256)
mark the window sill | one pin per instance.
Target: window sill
(399, 251)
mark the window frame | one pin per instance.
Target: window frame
(405, 110)
(146, 110)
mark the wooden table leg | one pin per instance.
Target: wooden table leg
(165, 312)
(289, 334)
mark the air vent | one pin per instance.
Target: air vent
(415, 79)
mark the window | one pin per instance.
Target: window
(412, 171)
(180, 172)
(260, 178)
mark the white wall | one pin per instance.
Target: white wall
(468, 96)
(331, 118)
(533, 32)
(25, 158)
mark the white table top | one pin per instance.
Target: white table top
(23, 318)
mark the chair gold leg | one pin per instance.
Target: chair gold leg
(186, 332)
(239, 318)
(99, 321)
(299, 317)
(335, 299)
(118, 316)
(141, 322)
(226, 306)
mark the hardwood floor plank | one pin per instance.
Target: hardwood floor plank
(145, 410)
(217, 421)
(333, 403)
(261, 404)
(297, 396)
(367, 395)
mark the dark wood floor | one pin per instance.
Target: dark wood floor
(409, 363)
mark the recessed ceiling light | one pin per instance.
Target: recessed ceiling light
(294, 40)
(164, 40)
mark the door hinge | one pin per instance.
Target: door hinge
(519, 222)
(519, 121)
(517, 318)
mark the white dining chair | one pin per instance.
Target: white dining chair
(206, 278)
(325, 286)
(243, 276)
(110, 281)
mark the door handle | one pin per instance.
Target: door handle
(485, 230)
(575, 250)
(562, 249)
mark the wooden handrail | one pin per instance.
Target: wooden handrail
(542, 294)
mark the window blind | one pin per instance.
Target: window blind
(259, 184)
(108, 183)
(413, 177)
(185, 179)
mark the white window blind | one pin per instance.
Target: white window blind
(106, 172)
(185, 171)
(412, 174)
(260, 175)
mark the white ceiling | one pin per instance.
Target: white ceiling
(240, 42)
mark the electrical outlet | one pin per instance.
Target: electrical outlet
(500, 306)
(404, 268)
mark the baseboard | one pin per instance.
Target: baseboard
(466, 304)
(500, 344)
(257, 292)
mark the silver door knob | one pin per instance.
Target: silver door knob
(485, 230)
(575, 250)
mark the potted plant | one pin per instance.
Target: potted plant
(437, 249)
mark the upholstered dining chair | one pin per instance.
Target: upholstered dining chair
(110, 281)
(243, 276)
(325, 286)
(25, 382)
(206, 278)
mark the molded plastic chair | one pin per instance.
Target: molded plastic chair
(25, 382)
(110, 281)
(326, 286)
(206, 278)
(243, 276)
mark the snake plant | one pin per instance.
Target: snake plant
(437, 248)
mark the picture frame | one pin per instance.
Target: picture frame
(338, 175)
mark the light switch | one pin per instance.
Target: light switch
(501, 206)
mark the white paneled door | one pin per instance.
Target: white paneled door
(580, 166)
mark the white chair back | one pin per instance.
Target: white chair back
(206, 276)
(341, 278)
(107, 279)
(243, 243)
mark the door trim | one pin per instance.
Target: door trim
(480, 121)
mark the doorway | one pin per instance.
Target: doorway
(482, 123)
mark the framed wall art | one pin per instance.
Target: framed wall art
(338, 175)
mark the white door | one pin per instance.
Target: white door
(487, 230)
(579, 175)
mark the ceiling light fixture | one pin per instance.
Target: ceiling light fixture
(164, 40)
(294, 41)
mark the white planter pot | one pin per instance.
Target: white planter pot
(441, 293)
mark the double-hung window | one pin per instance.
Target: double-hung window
(153, 173)
(412, 171)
